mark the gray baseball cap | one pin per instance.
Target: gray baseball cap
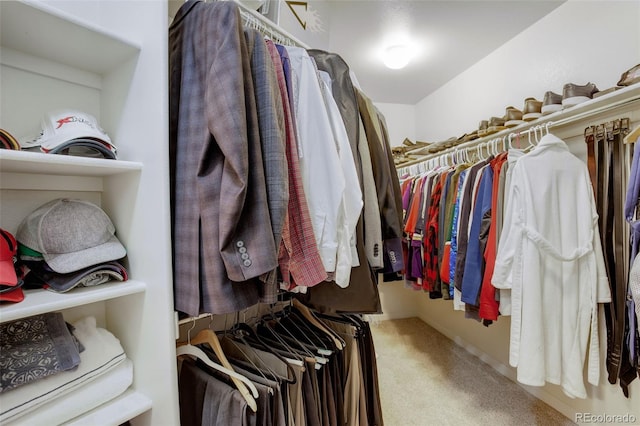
(71, 235)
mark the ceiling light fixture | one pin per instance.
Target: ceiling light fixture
(397, 56)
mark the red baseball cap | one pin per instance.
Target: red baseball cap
(8, 277)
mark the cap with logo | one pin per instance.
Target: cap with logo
(71, 235)
(72, 132)
(10, 284)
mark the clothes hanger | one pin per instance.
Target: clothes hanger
(308, 348)
(209, 337)
(633, 135)
(246, 334)
(309, 316)
(238, 379)
(308, 334)
(278, 344)
(321, 340)
(274, 325)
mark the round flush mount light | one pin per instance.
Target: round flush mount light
(397, 56)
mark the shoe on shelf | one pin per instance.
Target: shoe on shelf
(483, 128)
(470, 136)
(551, 103)
(513, 117)
(606, 92)
(496, 124)
(532, 109)
(573, 94)
(629, 77)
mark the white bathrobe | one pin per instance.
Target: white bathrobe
(550, 256)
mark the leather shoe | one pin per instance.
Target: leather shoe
(572, 94)
(483, 128)
(496, 124)
(532, 109)
(629, 77)
(551, 103)
(513, 117)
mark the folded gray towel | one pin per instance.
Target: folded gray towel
(35, 347)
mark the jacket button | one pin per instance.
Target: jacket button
(244, 256)
(247, 263)
(240, 243)
(242, 249)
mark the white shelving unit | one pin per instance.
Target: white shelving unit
(108, 59)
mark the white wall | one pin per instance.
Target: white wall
(581, 41)
(401, 121)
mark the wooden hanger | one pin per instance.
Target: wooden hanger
(633, 135)
(209, 337)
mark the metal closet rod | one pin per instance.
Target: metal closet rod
(509, 133)
(256, 20)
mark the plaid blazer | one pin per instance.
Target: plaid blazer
(299, 258)
(221, 228)
(271, 124)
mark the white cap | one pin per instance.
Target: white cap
(65, 128)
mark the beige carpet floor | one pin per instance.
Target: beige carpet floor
(426, 379)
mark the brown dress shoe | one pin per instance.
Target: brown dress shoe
(630, 76)
(513, 117)
(572, 94)
(482, 128)
(551, 103)
(532, 109)
(496, 124)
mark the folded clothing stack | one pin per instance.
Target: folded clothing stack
(46, 394)
(34, 348)
(67, 243)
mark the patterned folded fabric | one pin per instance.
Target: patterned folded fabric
(35, 347)
(102, 354)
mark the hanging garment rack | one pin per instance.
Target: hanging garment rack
(257, 21)
(505, 136)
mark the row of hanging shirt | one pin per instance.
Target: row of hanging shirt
(274, 161)
(294, 367)
(515, 234)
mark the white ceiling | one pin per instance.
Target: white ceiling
(452, 36)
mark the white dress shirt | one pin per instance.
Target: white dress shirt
(351, 207)
(322, 175)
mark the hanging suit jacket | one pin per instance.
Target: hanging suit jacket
(220, 213)
(389, 197)
(272, 138)
(362, 293)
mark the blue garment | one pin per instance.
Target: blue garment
(630, 205)
(454, 233)
(473, 265)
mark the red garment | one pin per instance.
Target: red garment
(298, 258)
(431, 238)
(414, 208)
(488, 303)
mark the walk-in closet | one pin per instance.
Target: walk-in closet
(319, 213)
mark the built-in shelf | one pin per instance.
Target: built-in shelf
(64, 165)
(87, 46)
(40, 301)
(626, 97)
(115, 412)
